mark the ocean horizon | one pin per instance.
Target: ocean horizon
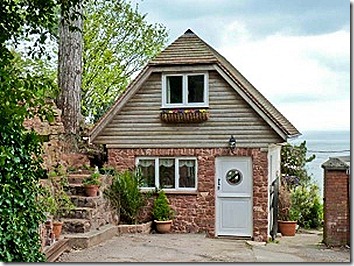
(324, 144)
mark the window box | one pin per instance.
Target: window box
(184, 115)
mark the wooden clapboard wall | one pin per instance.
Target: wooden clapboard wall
(138, 124)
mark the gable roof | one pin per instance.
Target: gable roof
(189, 49)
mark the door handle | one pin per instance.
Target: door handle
(218, 183)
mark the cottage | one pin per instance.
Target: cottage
(198, 129)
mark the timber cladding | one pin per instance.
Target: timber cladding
(195, 210)
(138, 123)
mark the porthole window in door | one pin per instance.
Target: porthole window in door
(234, 177)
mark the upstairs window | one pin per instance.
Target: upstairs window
(185, 90)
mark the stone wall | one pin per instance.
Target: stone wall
(336, 229)
(56, 150)
(195, 211)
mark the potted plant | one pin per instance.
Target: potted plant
(58, 203)
(287, 215)
(91, 184)
(162, 213)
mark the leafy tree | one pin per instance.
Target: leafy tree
(118, 41)
(293, 167)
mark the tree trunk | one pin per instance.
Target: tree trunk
(70, 67)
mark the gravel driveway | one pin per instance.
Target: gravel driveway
(304, 247)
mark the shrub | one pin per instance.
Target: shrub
(306, 202)
(161, 209)
(125, 195)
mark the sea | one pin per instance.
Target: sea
(323, 144)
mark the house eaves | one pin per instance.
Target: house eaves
(190, 50)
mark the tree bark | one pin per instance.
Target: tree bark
(70, 67)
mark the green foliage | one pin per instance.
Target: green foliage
(293, 164)
(21, 97)
(118, 42)
(306, 202)
(125, 195)
(63, 204)
(298, 193)
(93, 179)
(20, 164)
(161, 209)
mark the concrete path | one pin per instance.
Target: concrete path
(304, 247)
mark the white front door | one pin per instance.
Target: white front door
(234, 196)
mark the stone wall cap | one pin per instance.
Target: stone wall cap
(337, 163)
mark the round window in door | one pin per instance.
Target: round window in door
(234, 177)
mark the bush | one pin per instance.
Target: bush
(306, 201)
(161, 209)
(125, 196)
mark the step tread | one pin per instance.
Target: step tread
(58, 248)
(92, 237)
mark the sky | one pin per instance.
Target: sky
(296, 53)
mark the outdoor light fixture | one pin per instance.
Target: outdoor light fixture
(232, 143)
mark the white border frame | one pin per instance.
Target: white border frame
(184, 103)
(157, 173)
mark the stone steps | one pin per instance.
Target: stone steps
(77, 178)
(91, 238)
(82, 213)
(76, 225)
(90, 202)
(91, 221)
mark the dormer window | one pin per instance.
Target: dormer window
(185, 90)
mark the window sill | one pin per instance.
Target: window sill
(173, 192)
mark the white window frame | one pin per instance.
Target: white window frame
(157, 173)
(185, 103)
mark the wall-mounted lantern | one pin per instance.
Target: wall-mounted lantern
(232, 143)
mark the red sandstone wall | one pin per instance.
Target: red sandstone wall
(336, 231)
(195, 212)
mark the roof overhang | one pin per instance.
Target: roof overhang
(237, 86)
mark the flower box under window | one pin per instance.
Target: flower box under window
(184, 115)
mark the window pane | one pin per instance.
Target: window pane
(174, 89)
(196, 89)
(147, 168)
(187, 173)
(167, 173)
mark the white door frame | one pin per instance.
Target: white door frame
(241, 196)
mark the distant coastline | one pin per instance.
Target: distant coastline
(323, 144)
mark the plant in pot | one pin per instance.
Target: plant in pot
(91, 184)
(58, 203)
(162, 213)
(287, 215)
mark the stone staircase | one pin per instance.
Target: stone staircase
(92, 220)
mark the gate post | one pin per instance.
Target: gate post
(336, 203)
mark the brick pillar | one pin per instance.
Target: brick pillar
(336, 229)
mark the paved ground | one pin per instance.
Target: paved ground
(304, 247)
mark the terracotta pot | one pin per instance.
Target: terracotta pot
(287, 228)
(163, 226)
(57, 227)
(91, 190)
